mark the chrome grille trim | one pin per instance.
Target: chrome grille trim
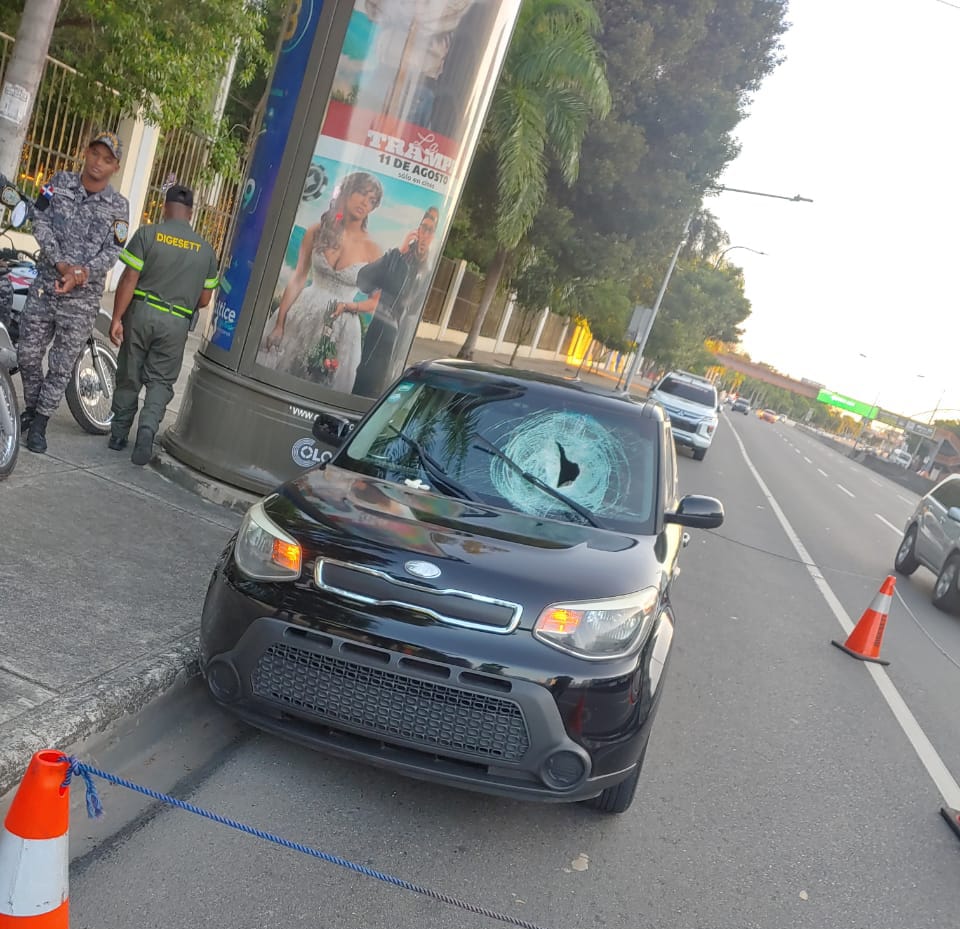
(515, 608)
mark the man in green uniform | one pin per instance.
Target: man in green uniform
(170, 273)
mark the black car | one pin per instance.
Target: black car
(475, 589)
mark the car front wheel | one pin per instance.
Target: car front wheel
(906, 559)
(946, 596)
(617, 799)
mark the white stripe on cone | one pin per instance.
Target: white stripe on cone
(33, 874)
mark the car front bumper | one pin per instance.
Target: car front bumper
(435, 716)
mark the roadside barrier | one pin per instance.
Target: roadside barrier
(865, 640)
(34, 876)
(34, 849)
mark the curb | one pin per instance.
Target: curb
(72, 717)
(232, 498)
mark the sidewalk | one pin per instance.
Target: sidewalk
(103, 570)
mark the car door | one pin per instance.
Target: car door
(933, 540)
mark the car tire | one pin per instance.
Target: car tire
(617, 799)
(905, 562)
(699, 454)
(946, 595)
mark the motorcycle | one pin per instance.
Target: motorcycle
(89, 392)
(9, 409)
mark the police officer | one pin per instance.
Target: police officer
(170, 273)
(80, 222)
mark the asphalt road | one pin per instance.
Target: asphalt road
(780, 790)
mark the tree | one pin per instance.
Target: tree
(162, 60)
(552, 83)
(22, 79)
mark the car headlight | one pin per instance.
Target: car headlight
(599, 628)
(264, 551)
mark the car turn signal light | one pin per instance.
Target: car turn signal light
(287, 555)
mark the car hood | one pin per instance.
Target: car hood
(342, 516)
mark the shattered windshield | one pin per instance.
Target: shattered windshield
(530, 448)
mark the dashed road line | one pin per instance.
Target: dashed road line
(887, 522)
(849, 493)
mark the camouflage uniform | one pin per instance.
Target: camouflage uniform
(83, 229)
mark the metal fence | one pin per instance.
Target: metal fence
(57, 135)
(183, 158)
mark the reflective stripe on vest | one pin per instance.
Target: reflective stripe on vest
(152, 300)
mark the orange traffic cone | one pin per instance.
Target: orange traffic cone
(952, 817)
(864, 641)
(34, 856)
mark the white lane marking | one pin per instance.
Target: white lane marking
(939, 773)
(797, 450)
(875, 481)
(904, 499)
(886, 522)
(847, 492)
(807, 460)
(824, 473)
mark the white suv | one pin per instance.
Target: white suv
(691, 403)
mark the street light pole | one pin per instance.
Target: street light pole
(730, 248)
(642, 339)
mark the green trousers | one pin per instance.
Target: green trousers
(151, 356)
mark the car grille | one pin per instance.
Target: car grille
(392, 705)
(682, 422)
(365, 585)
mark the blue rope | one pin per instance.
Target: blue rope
(95, 810)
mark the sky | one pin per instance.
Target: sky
(859, 289)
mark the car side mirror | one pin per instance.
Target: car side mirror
(954, 513)
(696, 512)
(332, 429)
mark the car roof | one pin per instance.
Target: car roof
(687, 375)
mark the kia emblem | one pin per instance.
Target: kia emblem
(422, 569)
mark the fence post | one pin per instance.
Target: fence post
(139, 140)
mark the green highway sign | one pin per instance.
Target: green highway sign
(847, 403)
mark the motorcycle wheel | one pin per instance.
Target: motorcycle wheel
(91, 386)
(9, 433)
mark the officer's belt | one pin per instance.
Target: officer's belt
(152, 300)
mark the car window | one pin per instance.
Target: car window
(947, 494)
(602, 455)
(695, 393)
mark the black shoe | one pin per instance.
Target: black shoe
(37, 436)
(143, 447)
(26, 418)
(117, 443)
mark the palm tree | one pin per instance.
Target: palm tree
(552, 83)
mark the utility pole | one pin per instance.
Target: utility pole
(22, 79)
(642, 340)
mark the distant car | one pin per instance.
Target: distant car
(931, 539)
(475, 588)
(741, 405)
(900, 456)
(768, 416)
(692, 405)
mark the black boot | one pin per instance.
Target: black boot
(26, 418)
(143, 447)
(37, 436)
(117, 443)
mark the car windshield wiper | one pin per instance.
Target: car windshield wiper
(493, 449)
(434, 468)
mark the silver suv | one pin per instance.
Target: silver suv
(691, 403)
(932, 539)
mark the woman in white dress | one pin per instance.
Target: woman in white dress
(317, 333)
